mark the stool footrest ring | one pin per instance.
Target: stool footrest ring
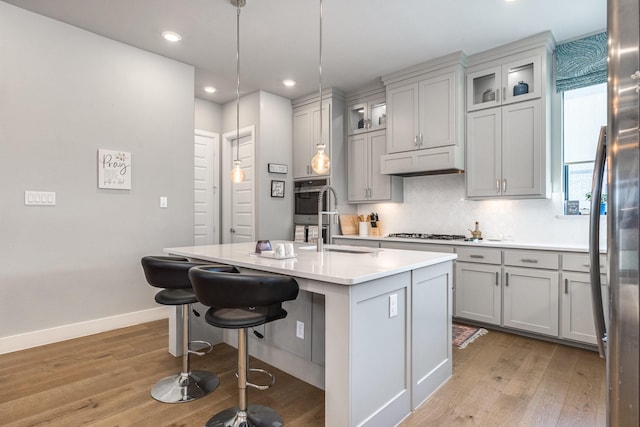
(260, 386)
(207, 349)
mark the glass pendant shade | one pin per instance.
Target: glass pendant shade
(320, 162)
(237, 173)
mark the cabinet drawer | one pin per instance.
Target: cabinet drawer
(536, 259)
(480, 255)
(417, 246)
(580, 262)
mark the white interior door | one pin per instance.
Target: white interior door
(206, 198)
(239, 201)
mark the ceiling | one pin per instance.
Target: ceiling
(362, 39)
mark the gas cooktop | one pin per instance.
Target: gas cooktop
(428, 236)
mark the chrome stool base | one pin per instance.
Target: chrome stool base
(181, 388)
(255, 416)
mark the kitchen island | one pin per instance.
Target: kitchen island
(387, 323)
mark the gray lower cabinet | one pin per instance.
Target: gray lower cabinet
(531, 300)
(530, 296)
(478, 292)
(576, 320)
(577, 311)
(537, 291)
(478, 284)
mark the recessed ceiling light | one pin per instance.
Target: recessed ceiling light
(171, 36)
(209, 89)
(289, 83)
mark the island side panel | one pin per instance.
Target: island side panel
(380, 374)
(431, 329)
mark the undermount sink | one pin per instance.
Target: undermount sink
(343, 249)
(349, 251)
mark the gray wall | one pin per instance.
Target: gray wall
(65, 93)
(272, 117)
(208, 116)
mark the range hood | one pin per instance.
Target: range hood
(430, 161)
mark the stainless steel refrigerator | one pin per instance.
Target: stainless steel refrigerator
(619, 145)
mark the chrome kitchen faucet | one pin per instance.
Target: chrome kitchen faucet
(320, 241)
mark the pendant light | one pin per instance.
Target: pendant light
(320, 162)
(237, 173)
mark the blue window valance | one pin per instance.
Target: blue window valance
(581, 63)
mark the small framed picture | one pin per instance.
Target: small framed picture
(572, 207)
(277, 188)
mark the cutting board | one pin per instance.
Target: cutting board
(348, 224)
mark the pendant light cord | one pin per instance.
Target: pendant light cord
(320, 74)
(238, 82)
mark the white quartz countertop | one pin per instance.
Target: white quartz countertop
(489, 243)
(329, 266)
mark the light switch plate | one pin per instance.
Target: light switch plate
(39, 198)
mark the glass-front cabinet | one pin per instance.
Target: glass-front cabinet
(501, 84)
(367, 116)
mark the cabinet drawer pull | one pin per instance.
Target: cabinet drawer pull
(589, 266)
(566, 286)
(529, 260)
(476, 256)
(506, 279)
(497, 274)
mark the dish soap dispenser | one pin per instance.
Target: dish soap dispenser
(476, 233)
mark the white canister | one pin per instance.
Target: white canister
(363, 228)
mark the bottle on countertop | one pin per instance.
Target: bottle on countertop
(476, 233)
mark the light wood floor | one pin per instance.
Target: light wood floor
(104, 380)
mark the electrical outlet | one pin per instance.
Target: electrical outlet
(164, 202)
(393, 305)
(300, 329)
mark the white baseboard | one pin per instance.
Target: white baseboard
(81, 329)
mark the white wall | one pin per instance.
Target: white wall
(65, 93)
(208, 116)
(437, 204)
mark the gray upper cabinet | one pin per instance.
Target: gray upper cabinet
(506, 155)
(425, 118)
(366, 143)
(365, 182)
(508, 129)
(306, 134)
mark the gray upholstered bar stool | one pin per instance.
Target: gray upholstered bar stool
(172, 274)
(241, 301)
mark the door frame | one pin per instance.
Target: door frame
(225, 182)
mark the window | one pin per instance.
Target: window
(584, 112)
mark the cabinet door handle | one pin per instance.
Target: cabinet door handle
(476, 256)
(530, 260)
(497, 274)
(504, 93)
(566, 286)
(231, 230)
(504, 185)
(420, 140)
(506, 279)
(497, 96)
(497, 185)
(415, 140)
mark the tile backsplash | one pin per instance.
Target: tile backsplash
(437, 204)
